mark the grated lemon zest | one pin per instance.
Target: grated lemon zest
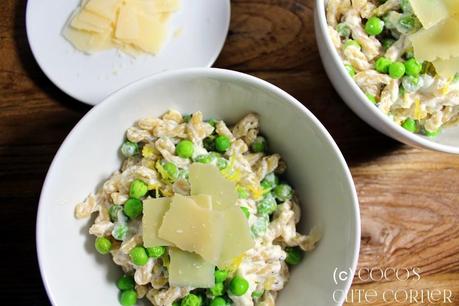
(149, 163)
(417, 109)
(148, 150)
(257, 191)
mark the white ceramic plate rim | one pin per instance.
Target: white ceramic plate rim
(388, 123)
(208, 72)
(62, 87)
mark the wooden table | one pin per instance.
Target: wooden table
(409, 198)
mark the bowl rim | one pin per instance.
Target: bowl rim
(403, 135)
(207, 72)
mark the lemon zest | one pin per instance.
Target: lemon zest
(256, 191)
(148, 150)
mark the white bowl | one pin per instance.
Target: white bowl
(74, 274)
(448, 141)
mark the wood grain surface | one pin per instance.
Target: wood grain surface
(409, 198)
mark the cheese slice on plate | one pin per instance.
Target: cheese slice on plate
(152, 33)
(189, 270)
(87, 21)
(207, 179)
(153, 214)
(127, 26)
(104, 8)
(88, 42)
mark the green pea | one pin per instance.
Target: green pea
(350, 70)
(138, 189)
(129, 149)
(246, 212)
(257, 294)
(238, 286)
(222, 163)
(259, 145)
(156, 252)
(374, 26)
(133, 208)
(113, 211)
(222, 143)
(260, 226)
(212, 122)
(191, 300)
(343, 30)
(411, 83)
(431, 134)
(203, 159)
(406, 6)
(371, 98)
(243, 193)
(382, 64)
(209, 143)
(456, 78)
(218, 301)
(120, 231)
(409, 54)
(351, 42)
(294, 255)
(413, 67)
(283, 192)
(128, 297)
(184, 149)
(408, 22)
(186, 118)
(396, 70)
(267, 205)
(220, 276)
(410, 125)
(387, 43)
(171, 170)
(139, 256)
(217, 290)
(270, 181)
(103, 245)
(125, 282)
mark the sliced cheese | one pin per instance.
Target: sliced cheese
(104, 8)
(440, 41)
(237, 237)
(152, 7)
(88, 21)
(203, 200)
(153, 214)
(453, 6)
(152, 33)
(207, 179)
(447, 68)
(89, 42)
(189, 270)
(193, 228)
(127, 26)
(430, 12)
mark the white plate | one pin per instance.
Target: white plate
(196, 37)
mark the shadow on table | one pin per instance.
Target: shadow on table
(31, 67)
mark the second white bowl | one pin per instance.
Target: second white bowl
(448, 141)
